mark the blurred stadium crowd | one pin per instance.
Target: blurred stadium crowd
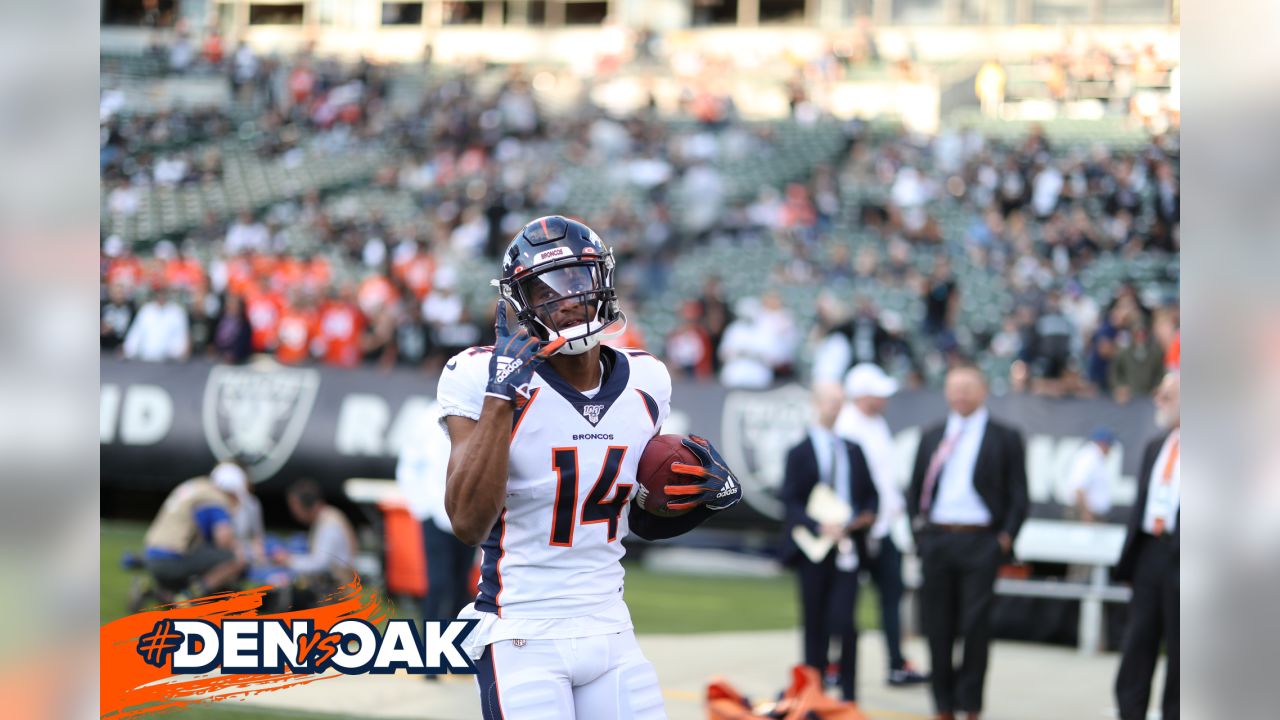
(352, 214)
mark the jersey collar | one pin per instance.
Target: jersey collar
(616, 374)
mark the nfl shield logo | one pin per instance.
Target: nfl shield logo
(592, 413)
(256, 414)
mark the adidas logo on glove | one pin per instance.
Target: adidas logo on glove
(505, 367)
(730, 487)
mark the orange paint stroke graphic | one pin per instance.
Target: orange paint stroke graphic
(131, 687)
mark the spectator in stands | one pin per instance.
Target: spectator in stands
(747, 353)
(1138, 365)
(246, 233)
(447, 316)
(232, 334)
(331, 543)
(861, 340)
(341, 326)
(1081, 310)
(941, 299)
(688, 350)
(776, 323)
(413, 339)
(1007, 343)
(716, 315)
(211, 50)
(1091, 477)
(124, 199)
(898, 359)
(967, 501)
(296, 331)
(861, 422)
(1150, 562)
(115, 317)
(160, 331)
(1110, 333)
(1049, 349)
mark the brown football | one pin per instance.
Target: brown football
(654, 473)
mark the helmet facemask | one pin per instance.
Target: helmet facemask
(575, 301)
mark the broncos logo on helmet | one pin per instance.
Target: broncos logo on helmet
(558, 276)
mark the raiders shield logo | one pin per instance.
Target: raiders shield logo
(256, 413)
(758, 428)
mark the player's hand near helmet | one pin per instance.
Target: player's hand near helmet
(711, 482)
(516, 354)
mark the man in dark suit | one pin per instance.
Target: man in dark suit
(1149, 561)
(967, 500)
(828, 589)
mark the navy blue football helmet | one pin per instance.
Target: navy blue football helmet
(558, 276)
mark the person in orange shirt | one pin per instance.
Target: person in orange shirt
(316, 275)
(239, 274)
(416, 272)
(264, 310)
(299, 325)
(286, 274)
(375, 293)
(262, 265)
(341, 327)
(124, 268)
(1173, 355)
(183, 272)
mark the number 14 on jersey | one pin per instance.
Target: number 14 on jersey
(596, 508)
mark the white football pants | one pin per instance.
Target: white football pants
(604, 677)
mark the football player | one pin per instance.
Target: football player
(546, 431)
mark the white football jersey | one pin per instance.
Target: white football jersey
(555, 550)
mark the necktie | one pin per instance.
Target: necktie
(840, 469)
(1166, 478)
(940, 456)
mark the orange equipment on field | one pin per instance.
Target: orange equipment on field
(803, 700)
(406, 562)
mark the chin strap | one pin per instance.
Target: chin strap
(607, 334)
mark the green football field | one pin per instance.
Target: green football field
(659, 603)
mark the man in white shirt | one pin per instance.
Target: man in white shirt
(861, 421)
(160, 332)
(246, 234)
(1150, 562)
(967, 501)
(1091, 477)
(746, 350)
(331, 545)
(420, 474)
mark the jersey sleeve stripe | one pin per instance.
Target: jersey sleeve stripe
(649, 404)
